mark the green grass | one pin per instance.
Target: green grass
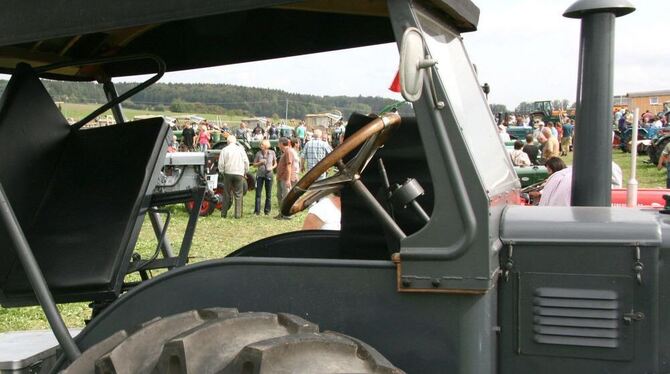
(647, 174)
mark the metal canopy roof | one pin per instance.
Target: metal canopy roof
(190, 34)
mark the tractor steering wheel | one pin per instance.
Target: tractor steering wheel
(308, 189)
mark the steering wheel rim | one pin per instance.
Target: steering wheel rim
(371, 136)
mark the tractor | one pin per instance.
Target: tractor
(436, 269)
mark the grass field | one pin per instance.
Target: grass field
(78, 111)
(216, 237)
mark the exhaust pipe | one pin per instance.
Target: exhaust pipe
(592, 165)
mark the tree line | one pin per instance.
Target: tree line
(221, 99)
(226, 99)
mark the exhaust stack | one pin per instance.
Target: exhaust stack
(592, 166)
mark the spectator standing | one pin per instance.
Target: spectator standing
(295, 148)
(241, 132)
(628, 118)
(203, 139)
(531, 149)
(233, 164)
(550, 146)
(273, 132)
(300, 132)
(338, 134)
(315, 150)
(284, 173)
(266, 162)
(258, 131)
(188, 136)
(566, 140)
(552, 127)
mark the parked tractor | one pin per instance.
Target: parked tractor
(545, 111)
(436, 269)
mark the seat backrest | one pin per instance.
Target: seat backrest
(79, 195)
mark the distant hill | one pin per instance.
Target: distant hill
(222, 99)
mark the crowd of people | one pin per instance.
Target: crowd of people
(624, 118)
(296, 155)
(545, 145)
(542, 143)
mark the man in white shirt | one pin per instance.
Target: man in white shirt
(233, 164)
(558, 190)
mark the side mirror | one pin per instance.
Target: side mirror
(412, 64)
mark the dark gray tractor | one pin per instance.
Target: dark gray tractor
(435, 266)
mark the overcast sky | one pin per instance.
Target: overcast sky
(525, 49)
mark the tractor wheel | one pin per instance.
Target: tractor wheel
(225, 341)
(206, 208)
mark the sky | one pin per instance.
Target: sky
(524, 49)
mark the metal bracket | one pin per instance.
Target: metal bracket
(509, 264)
(633, 316)
(638, 266)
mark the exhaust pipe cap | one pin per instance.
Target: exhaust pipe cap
(582, 8)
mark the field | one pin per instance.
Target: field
(78, 111)
(216, 237)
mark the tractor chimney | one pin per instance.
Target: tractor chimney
(592, 166)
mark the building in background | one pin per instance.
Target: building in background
(653, 101)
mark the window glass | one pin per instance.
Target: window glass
(468, 103)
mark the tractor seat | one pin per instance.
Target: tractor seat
(79, 194)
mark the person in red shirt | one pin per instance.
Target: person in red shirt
(284, 172)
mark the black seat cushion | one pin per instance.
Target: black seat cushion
(79, 195)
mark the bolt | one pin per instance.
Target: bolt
(406, 283)
(436, 282)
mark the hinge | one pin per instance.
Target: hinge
(633, 316)
(509, 263)
(637, 264)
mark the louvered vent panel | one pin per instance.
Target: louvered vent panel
(577, 317)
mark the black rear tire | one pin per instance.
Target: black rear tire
(225, 341)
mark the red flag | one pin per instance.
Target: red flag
(395, 85)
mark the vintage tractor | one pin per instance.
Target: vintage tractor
(185, 171)
(436, 268)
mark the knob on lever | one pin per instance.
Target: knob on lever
(666, 208)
